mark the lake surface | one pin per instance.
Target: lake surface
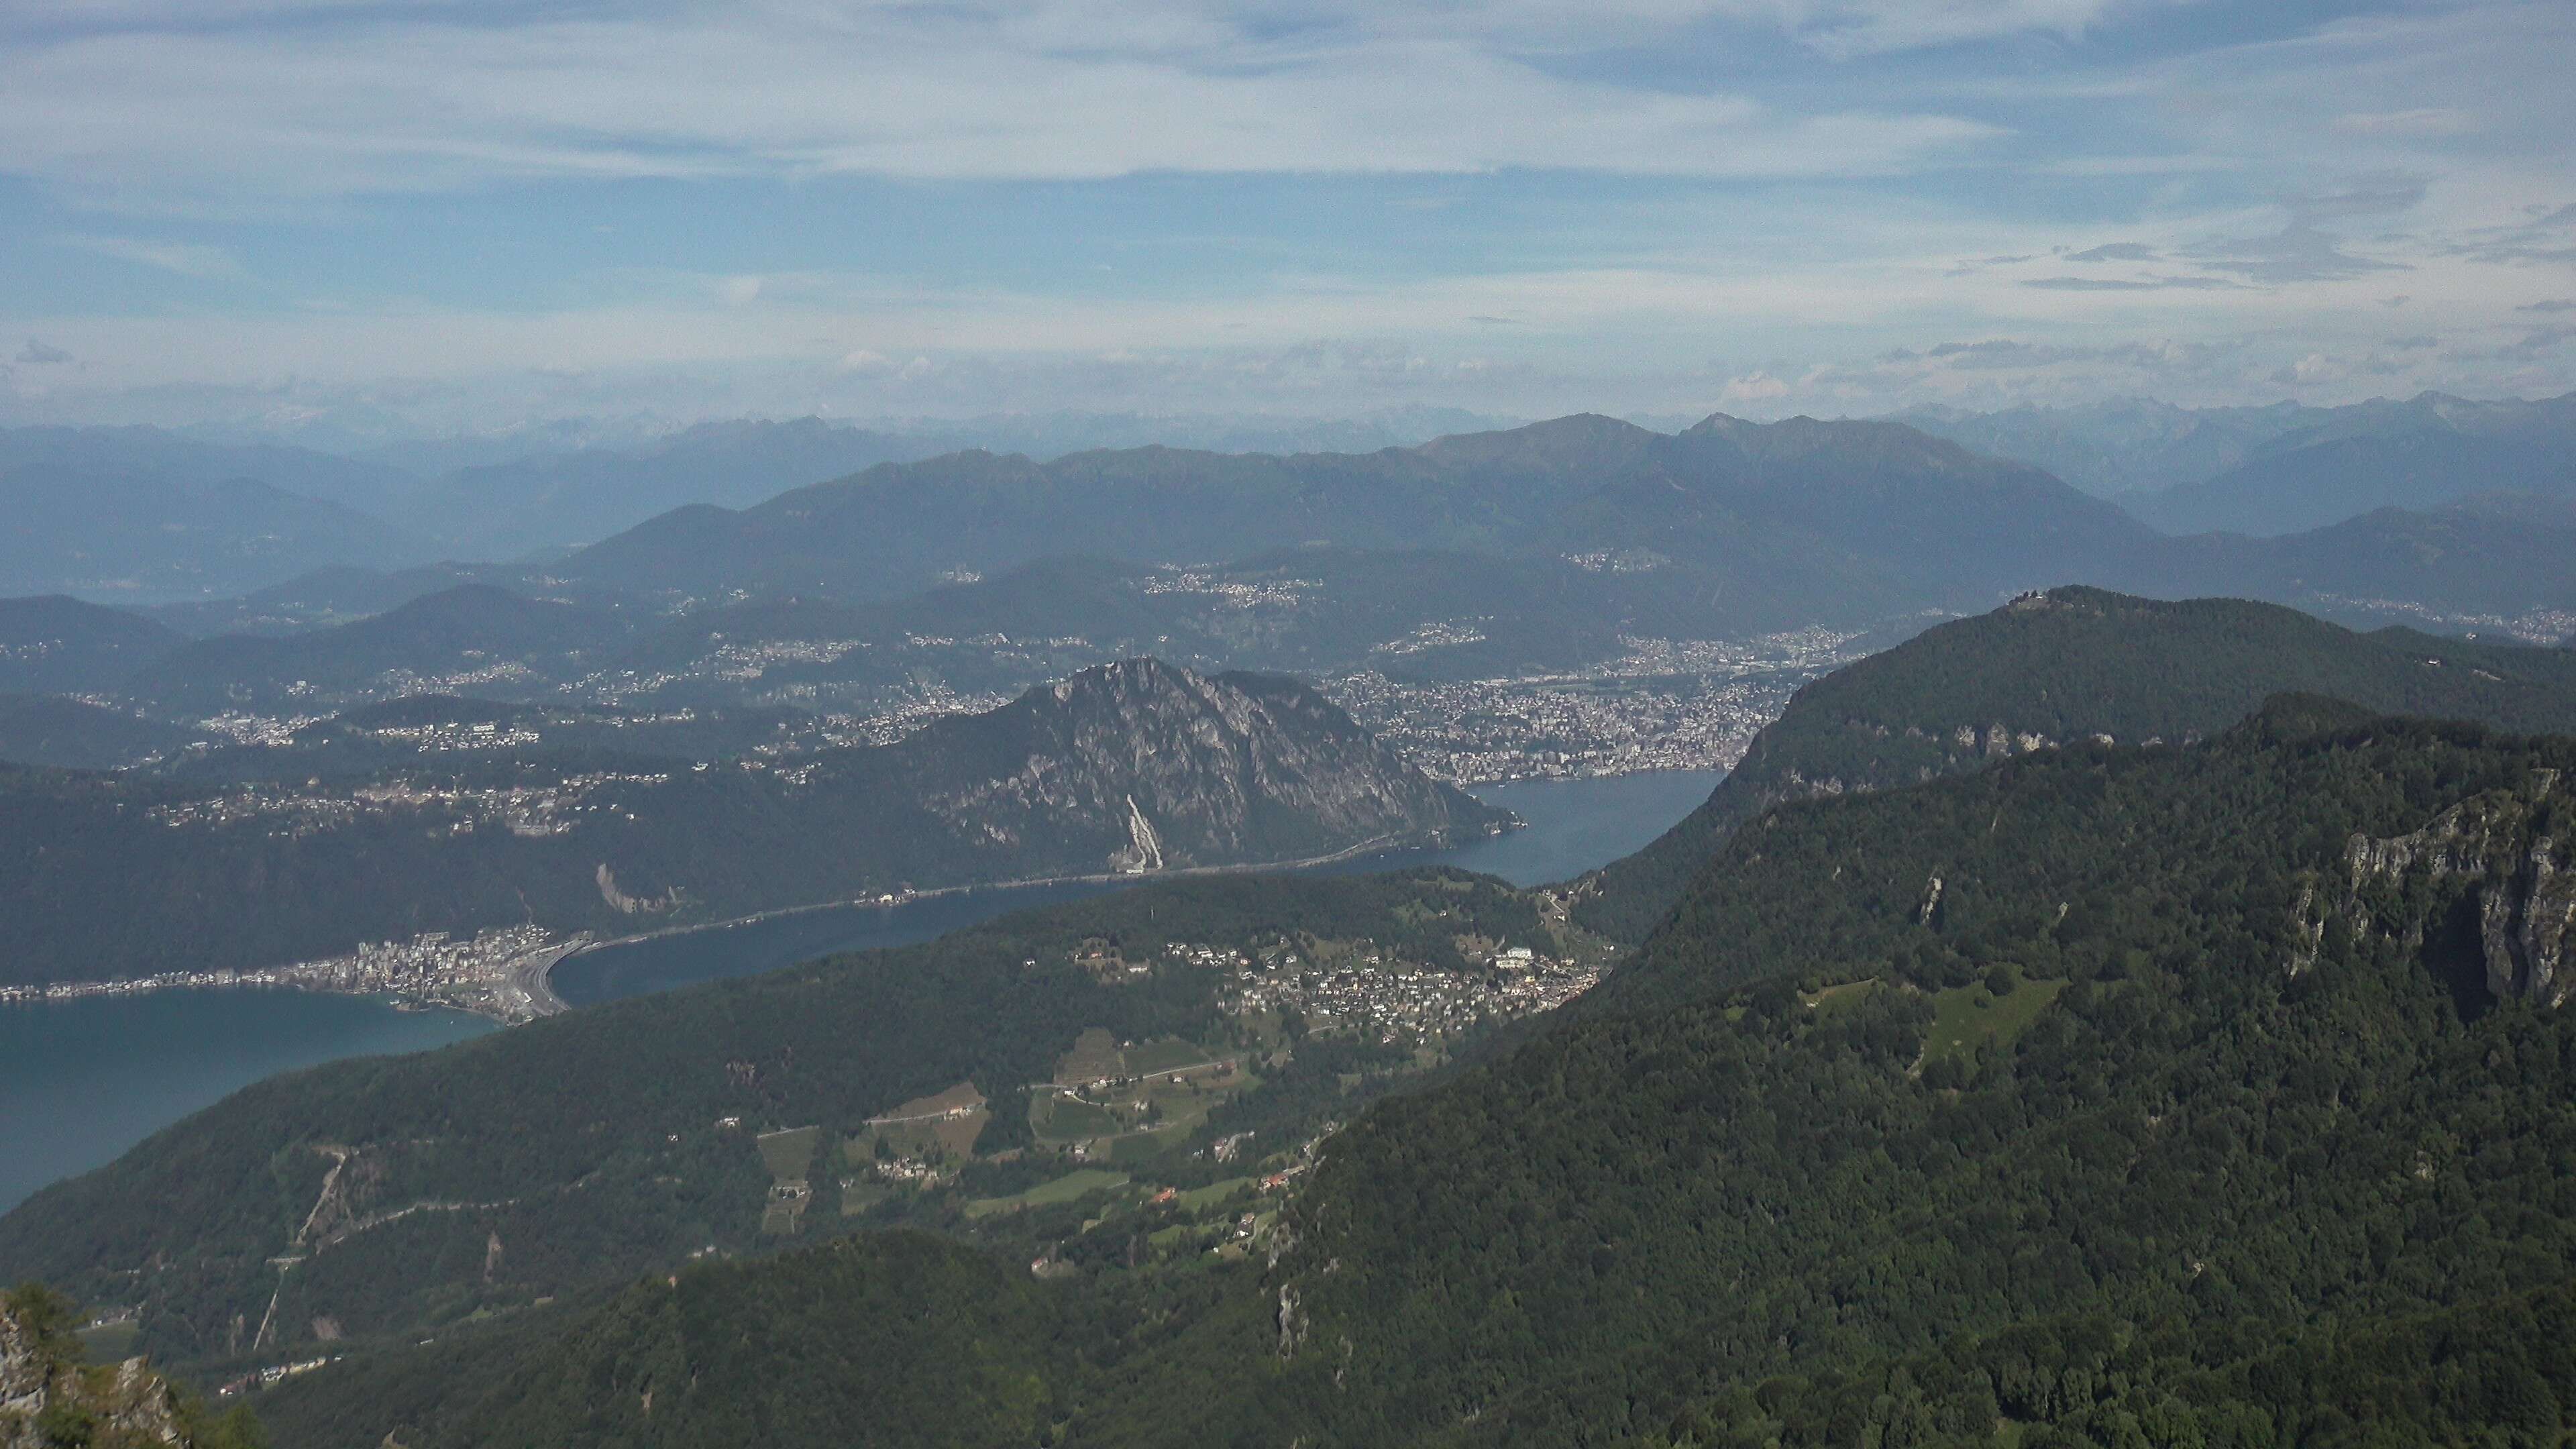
(82, 1080)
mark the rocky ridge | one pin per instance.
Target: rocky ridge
(1162, 768)
(49, 1398)
(2507, 846)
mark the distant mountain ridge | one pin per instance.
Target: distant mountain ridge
(2283, 468)
(147, 538)
(456, 635)
(56, 644)
(2425, 453)
(1732, 506)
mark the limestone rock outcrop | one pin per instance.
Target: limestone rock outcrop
(2512, 850)
(45, 1390)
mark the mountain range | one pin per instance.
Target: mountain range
(186, 518)
(1756, 527)
(1741, 510)
(2284, 468)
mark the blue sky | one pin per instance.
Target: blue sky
(466, 215)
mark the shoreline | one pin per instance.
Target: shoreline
(524, 990)
(891, 900)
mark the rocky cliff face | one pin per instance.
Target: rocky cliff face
(49, 1398)
(2507, 848)
(1143, 766)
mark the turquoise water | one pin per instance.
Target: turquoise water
(82, 1080)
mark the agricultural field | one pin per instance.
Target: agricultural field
(1095, 1058)
(1202, 1199)
(110, 1342)
(945, 1124)
(1070, 1119)
(1071, 1187)
(1168, 1054)
(789, 1155)
(1145, 1116)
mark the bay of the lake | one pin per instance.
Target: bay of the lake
(84, 1079)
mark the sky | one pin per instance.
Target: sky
(410, 217)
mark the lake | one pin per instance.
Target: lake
(82, 1080)
(1574, 826)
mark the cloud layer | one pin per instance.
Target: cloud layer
(410, 208)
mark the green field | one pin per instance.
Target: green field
(1095, 1056)
(1836, 998)
(1137, 1147)
(1073, 1185)
(1065, 1119)
(1962, 1028)
(1166, 1055)
(789, 1154)
(1200, 1199)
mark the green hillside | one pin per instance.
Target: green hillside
(2273, 1094)
(892, 1339)
(2065, 666)
(376, 1198)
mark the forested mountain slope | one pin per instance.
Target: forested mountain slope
(462, 637)
(2068, 665)
(54, 644)
(2156, 1034)
(2113, 1095)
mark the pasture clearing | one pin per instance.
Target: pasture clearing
(1830, 999)
(945, 1123)
(790, 1153)
(1073, 1186)
(1169, 1054)
(1095, 1058)
(1967, 1020)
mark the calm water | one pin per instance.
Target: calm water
(80, 1081)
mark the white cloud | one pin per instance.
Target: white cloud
(188, 259)
(416, 98)
(2421, 121)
